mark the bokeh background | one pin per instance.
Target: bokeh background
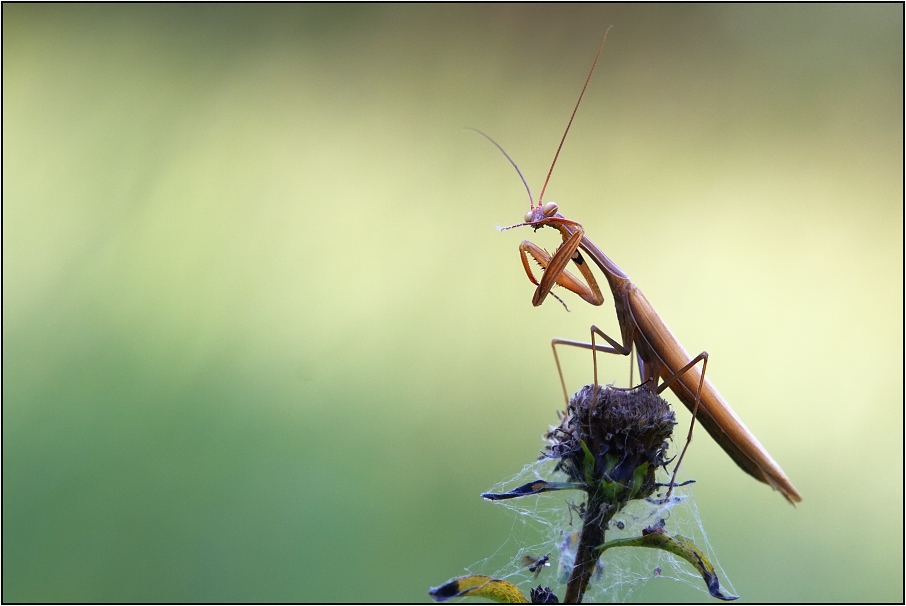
(262, 341)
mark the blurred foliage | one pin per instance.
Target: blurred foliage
(259, 329)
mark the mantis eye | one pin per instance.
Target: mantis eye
(529, 216)
(549, 209)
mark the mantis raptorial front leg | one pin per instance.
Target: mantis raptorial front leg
(555, 269)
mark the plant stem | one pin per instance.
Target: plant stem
(598, 512)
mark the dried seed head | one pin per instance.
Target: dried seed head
(543, 595)
(625, 433)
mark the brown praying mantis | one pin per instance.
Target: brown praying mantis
(660, 354)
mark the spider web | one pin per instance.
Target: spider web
(549, 523)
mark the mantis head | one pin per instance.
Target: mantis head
(539, 213)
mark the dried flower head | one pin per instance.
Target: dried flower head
(543, 595)
(613, 440)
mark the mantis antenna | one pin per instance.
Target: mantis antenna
(531, 202)
(570, 123)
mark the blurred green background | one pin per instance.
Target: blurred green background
(263, 342)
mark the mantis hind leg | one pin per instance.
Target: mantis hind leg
(703, 358)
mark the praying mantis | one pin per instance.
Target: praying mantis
(660, 354)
